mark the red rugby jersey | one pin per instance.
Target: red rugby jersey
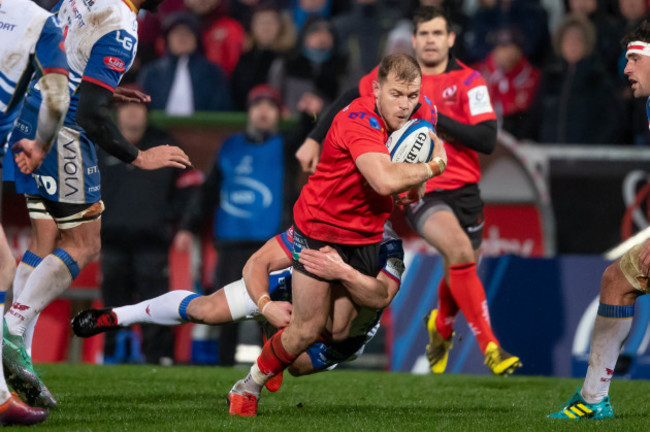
(461, 94)
(337, 204)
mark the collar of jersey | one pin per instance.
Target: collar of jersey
(452, 64)
(131, 6)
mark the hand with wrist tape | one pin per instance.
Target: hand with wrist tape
(438, 164)
(277, 313)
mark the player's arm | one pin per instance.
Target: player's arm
(50, 59)
(481, 137)
(268, 258)
(366, 291)
(308, 153)
(94, 115)
(389, 178)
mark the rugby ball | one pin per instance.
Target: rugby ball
(411, 143)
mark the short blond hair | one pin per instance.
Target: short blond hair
(404, 66)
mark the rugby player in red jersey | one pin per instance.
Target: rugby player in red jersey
(345, 205)
(450, 216)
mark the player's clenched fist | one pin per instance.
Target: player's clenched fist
(439, 152)
(278, 313)
(29, 156)
(308, 155)
(161, 157)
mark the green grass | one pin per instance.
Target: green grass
(145, 398)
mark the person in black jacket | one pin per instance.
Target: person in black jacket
(251, 190)
(272, 34)
(576, 102)
(184, 81)
(137, 230)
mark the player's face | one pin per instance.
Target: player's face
(396, 100)
(432, 42)
(264, 116)
(637, 71)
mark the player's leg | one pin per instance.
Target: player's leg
(42, 239)
(342, 315)
(7, 270)
(12, 410)
(444, 232)
(618, 293)
(311, 304)
(232, 303)
(78, 245)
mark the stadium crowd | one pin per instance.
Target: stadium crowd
(541, 58)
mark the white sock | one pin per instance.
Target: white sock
(613, 324)
(23, 271)
(4, 391)
(167, 309)
(48, 280)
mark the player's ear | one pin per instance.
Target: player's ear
(375, 88)
(452, 39)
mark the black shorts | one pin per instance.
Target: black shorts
(364, 258)
(465, 203)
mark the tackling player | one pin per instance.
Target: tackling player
(100, 43)
(345, 205)
(450, 215)
(265, 291)
(32, 39)
(622, 282)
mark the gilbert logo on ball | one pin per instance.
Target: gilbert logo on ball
(411, 143)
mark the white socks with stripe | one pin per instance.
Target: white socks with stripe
(168, 309)
(48, 280)
(23, 271)
(613, 324)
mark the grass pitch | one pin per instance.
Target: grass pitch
(145, 398)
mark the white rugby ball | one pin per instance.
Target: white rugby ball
(411, 143)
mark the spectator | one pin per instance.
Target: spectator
(495, 14)
(223, 36)
(251, 190)
(608, 32)
(576, 102)
(511, 80)
(301, 10)
(363, 33)
(311, 75)
(271, 35)
(137, 228)
(184, 81)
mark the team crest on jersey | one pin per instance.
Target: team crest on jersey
(449, 93)
(114, 63)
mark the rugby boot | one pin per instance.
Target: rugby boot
(16, 412)
(91, 322)
(20, 374)
(577, 408)
(500, 361)
(438, 348)
(241, 402)
(274, 383)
